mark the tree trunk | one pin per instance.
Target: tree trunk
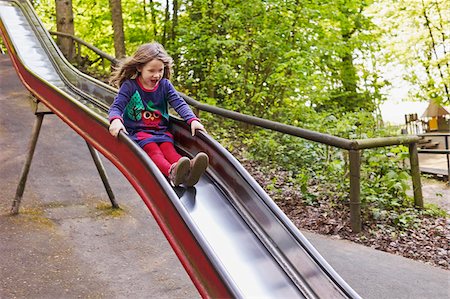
(434, 49)
(153, 13)
(174, 19)
(173, 35)
(347, 70)
(349, 80)
(64, 23)
(166, 24)
(117, 21)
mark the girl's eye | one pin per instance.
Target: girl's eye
(147, 114)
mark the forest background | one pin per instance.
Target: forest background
(320, 65)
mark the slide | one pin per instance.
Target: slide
(231, 238)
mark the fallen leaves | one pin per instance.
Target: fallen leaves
(427, 241)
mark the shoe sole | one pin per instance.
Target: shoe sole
(182, 169)
(201, 162)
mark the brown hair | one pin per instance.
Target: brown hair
(128, 68)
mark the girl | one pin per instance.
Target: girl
(140, 109)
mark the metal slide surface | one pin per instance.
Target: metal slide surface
(229, 235)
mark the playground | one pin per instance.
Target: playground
(67, 242)
(74, 223)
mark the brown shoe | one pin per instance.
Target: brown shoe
(178, 171)
(198, 166)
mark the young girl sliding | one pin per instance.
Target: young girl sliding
(140, 109)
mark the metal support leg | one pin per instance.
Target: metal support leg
(102, 172)
(26, 166)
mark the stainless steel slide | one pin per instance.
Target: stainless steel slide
(229, 235)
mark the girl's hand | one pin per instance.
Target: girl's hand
(115, 127)
(196, 125)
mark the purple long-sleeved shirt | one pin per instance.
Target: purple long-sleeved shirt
(144, 112)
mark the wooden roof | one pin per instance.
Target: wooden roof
(435, 110)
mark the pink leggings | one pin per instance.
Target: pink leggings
(163, 155)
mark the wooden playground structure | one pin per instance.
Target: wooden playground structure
(434, 129)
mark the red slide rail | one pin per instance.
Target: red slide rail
(136, 167)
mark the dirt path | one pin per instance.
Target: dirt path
(436, 192)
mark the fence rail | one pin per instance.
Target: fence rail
(353, 146)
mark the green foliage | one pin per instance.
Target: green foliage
(253, 55)
(92, 22)
(384, 186)
(2, 47)
(415, 39)
(311, 64)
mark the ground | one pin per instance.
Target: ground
(437, 192)
(67, 242)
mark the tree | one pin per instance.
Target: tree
(267, 58)
(259, 56)
(351, 23)
(117, 23)
(64, 23)
(153, 17)
(347, 40)
(437, 48)
(416, 39)
(166, 23)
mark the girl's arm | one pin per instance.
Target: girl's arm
(196, 125)
(117, 108)
(116, 126)
(183, 109)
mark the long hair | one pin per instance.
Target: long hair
(128, 68)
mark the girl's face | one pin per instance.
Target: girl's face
(151, 73)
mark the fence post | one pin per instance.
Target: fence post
(415, 175)
(355, 190)
(448, 160)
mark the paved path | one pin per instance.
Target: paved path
(378, 275)
(66, 243)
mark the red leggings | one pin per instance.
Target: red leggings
(163, 155)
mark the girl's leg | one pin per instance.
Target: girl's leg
(169, 152)
(198, 166)
(152, 149)
(180, 165)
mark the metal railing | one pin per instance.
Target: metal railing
(79, 42)
(353, 146)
